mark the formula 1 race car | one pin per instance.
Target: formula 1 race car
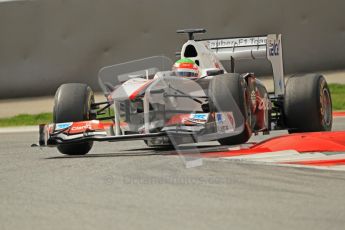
(194, 100)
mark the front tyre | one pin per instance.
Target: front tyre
(308, 104)
(223, 87)
(73, 103)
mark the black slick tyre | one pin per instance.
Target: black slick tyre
(73, 103)
(222, 88)
(307, 104)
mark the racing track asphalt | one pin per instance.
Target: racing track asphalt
(128, 186)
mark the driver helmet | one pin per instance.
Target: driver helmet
(186, 68)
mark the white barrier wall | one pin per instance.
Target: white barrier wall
(46, 43)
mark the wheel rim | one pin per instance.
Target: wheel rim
(326, 107)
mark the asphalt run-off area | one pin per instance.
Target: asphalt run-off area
(128, 185)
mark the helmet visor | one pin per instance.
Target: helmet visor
(186, 73)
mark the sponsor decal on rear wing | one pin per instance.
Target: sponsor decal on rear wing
(237, 42)
(246, 47)
(266, 47)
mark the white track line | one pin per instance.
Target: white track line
(282, 158)
(318, 156)
(258, 156)
(299, 157)
(21, 129)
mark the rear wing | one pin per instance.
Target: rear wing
(258, 47)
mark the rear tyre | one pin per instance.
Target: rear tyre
(308, 104)
(73, 103)
(223, 87)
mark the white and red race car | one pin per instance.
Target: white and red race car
(146, 100)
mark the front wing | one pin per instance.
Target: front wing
(212, 128)
(77, 132)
